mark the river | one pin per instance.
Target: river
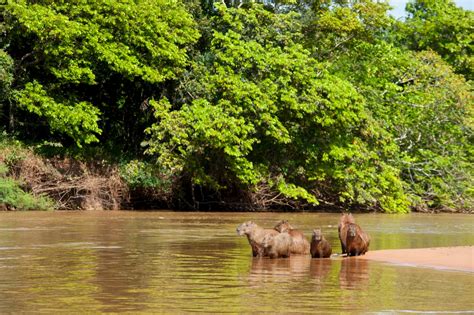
(178, 262)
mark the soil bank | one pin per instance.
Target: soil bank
(454, 258)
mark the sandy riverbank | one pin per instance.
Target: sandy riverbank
(453, 258)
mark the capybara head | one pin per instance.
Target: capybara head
(352, 230)
(245, 227)
(283, 226)
(317, 235)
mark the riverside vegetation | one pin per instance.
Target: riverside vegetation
(195, 104)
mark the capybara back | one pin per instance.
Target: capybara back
(300, 244)
(277, 245)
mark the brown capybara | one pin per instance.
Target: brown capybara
(357, 241)
(299, 244)
(342, 229)
(278, 245)
(320, 247)
(255, 235)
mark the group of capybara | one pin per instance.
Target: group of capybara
(283, 240)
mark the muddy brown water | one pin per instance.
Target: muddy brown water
(173, 262)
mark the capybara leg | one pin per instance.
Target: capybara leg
(343, 248)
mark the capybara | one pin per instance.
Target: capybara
(255, 235)
(357, 241)
(320, 247)
(299, 244)
(342, 229)
(277, 245)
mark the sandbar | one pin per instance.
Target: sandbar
(452, 258)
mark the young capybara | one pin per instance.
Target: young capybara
(320, 247)
(299, 244)
(278, 245)
(357, 241)
(255, 235)
(342, 229)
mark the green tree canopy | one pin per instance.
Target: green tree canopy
(262, 110)
(426, 111)
(272, 103)
(82, 61)
(443, 27)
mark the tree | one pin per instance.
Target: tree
(84, 61)
(425, 111)
(6, 80)
(333, 28)
(443, 27)
(261, 111)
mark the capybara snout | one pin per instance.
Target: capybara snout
(245, 227)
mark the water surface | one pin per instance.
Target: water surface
(194, 262)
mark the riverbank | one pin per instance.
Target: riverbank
(452, 258)
(39, 178)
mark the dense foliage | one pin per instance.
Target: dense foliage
(441, 26)
(293, 104)
(84, 67)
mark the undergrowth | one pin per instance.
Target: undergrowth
(13, 197)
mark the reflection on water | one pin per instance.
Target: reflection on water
(320, 268)
(354, 273)
(187, 262)
(284, 268)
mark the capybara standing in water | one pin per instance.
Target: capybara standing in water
(342, 229)
(357, 241)
(255, 235)
(277, 245)
(320, 247)
(299, 243)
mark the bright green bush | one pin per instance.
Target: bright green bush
(14, 196)
(139, 174)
